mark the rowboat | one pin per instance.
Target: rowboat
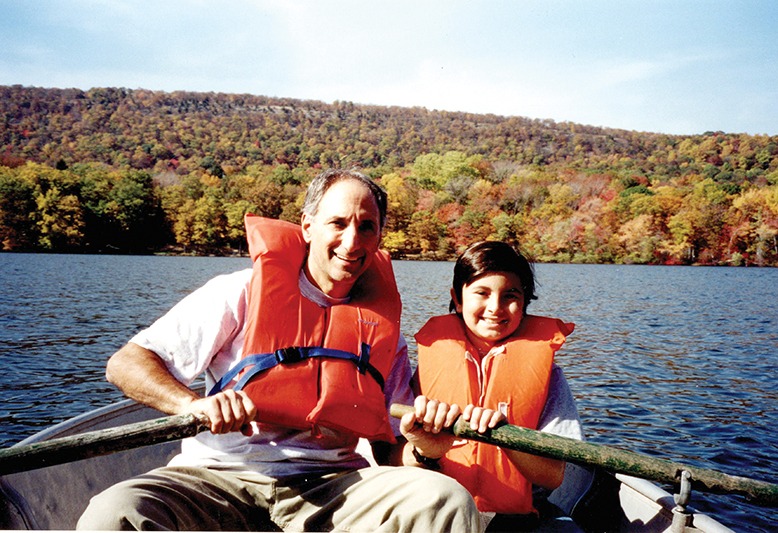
(54, 496)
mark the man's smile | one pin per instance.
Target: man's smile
(347, 259)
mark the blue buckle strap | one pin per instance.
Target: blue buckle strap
(288, 356)
(260, 362)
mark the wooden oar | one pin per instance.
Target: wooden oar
(612, 459)
(25, 457)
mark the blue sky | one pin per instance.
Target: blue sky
(680, 67)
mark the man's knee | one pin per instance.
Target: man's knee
(449, 503)
(445, 489)
(103, 511)
(119, 508)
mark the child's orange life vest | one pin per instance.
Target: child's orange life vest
(515, 382)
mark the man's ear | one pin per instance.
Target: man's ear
(457, 303)
(305, 221)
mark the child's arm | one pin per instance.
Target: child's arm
(541, 471)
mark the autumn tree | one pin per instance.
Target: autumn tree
(58, 216)
(402, 196)
(697, 228)
(426, 233)
(753, 218)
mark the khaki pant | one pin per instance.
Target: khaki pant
(371, 499)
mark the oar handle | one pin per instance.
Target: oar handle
(611, 459)
(397, 410)
(21, 458)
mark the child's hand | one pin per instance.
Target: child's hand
(482, 419)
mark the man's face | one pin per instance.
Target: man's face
(342, 236)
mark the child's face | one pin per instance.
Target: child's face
(492, 307)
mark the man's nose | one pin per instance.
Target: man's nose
(350, 237)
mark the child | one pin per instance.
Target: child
(496, 360)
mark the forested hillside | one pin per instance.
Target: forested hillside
(119, 170)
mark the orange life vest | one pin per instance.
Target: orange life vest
(306, 366)
(516, 380)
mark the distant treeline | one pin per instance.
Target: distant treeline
(136, 171)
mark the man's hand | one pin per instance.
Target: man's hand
(228, 410)
(143, 376)
(423, 428)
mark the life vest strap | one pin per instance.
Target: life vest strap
(256, 363)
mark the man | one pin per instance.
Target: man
(281, 451)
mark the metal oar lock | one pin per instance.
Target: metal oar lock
(681, 517)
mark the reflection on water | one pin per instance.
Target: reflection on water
(673, 362)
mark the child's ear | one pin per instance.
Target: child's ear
(457, 303)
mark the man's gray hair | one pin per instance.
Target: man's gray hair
(321, 184)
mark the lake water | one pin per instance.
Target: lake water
(674, 362)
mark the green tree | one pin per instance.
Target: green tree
(58, 215)
(559, 205)
(697, 228)
(434, 171)
(122, 210)
(209, 229)
(17, 209)
(235, 230)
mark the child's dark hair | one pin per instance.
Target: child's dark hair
(487, 257)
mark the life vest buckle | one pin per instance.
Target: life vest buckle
(364, 358)
(288, 356)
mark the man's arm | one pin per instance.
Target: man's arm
(143, 376)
